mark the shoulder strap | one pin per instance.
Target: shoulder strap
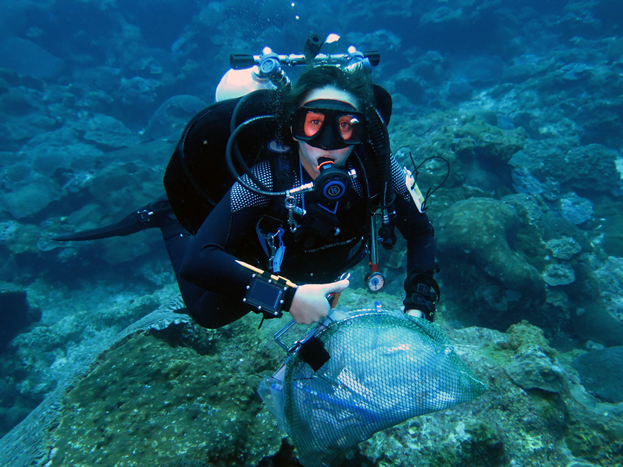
(384, 103)
(283, 171)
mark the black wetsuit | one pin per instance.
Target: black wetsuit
(213, 284)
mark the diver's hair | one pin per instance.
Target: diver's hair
(358, 83)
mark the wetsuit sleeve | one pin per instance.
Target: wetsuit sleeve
(413, 225)
(210, 262)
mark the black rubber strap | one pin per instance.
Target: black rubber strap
(423, 294)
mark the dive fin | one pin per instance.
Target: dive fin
(145, 218)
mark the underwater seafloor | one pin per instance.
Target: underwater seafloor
(522, 98)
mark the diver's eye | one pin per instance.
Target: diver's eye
(313, 123)
(345, 124)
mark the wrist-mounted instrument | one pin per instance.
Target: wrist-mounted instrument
(422, 294)
(268, 293)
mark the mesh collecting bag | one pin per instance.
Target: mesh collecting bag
(385, 368)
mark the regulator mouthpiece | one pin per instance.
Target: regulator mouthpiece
(333, 183)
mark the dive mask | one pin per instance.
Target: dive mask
(328, 124)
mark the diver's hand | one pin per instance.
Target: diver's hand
(310, 302)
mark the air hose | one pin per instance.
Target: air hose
(232, 150)
(379, 138)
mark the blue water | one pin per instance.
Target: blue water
(523, 98)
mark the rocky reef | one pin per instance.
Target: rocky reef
(476, 235)
(167, 392)
(522, 100)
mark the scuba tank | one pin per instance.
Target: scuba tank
(237, 83)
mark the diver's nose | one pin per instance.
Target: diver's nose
(328, 139)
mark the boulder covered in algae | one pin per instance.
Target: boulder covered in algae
(476, 245)
(164, 391)
(151, 400)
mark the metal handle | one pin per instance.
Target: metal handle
(279, 334)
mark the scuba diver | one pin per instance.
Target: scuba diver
(318, 176)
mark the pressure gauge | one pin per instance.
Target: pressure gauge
(375, 281)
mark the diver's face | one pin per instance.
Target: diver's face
(309, 155)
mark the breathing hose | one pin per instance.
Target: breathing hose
(379, 138)
(232, 150)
